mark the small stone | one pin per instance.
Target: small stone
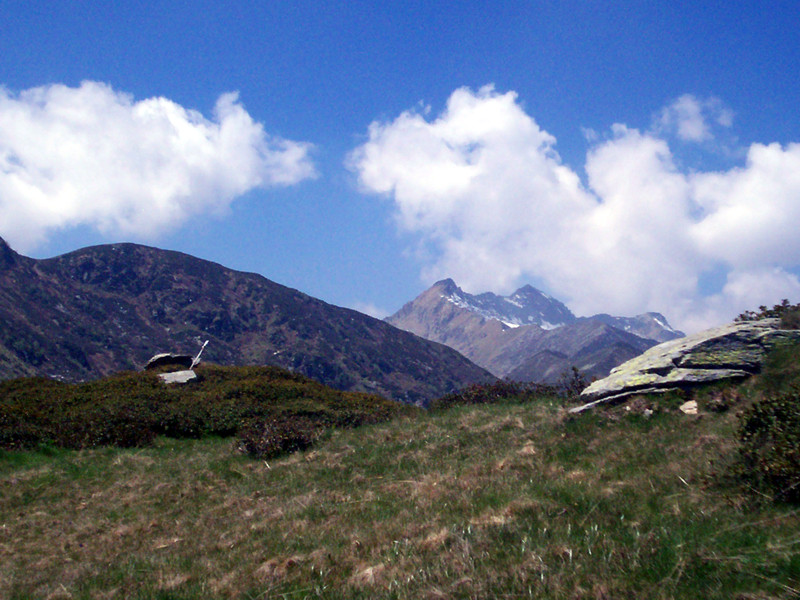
(689, 408)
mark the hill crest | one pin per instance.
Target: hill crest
(108, 308)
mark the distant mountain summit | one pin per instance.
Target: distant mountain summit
(528, 335)
(649, 325)
(108, 308)
(526, 306)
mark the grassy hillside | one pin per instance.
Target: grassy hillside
(101, 309)
(507, 499)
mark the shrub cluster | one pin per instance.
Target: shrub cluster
(131, 409)
(788, 313)
(769, 432)
(570, 384)
(276, 436)
(490, 393)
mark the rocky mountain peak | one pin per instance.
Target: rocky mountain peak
(527, 335)
(528, 291)
(658, 318)
(526, 306)
(649, 325)
(446, 288)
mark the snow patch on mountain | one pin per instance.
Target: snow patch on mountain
(526, 306)
(661, 323)
(486, 314)
(529, 306)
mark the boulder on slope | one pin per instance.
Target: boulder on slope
(736, 350)
(169, 359)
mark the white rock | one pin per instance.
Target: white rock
(178, 376)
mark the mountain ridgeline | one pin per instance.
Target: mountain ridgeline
(109, 308)
(528, 336)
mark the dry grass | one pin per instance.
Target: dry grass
(506, 501)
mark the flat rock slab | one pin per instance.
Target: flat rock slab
(178, 376)
(733, 351)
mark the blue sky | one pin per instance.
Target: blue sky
(624, 158)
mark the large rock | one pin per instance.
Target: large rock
(733, 351)
(169, 359)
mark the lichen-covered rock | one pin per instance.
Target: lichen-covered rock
(736, 350)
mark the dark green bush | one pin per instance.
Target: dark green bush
(276, 436)
(131, 409)
(791, 318)
(718, 398)
(489, 393)
(571, 383)
(788, 313)
(17, 434)
(769, 432)
(127, 425)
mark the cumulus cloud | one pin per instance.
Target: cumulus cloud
(466, 179)
(95, 156)
(692, 119)
(483, 186)
(371, 309)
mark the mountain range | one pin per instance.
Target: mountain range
(528, 335)
(109, 308)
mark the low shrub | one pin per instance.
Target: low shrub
(788, 313)
(490, 393)
(131, 409)
(129, 425)
(718, 398)
(571, 383)
(276, 436)
(17, 434)
(769, 433)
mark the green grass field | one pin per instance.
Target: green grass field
(513, 499)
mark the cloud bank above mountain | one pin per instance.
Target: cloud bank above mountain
(484, 189)
(95, 156)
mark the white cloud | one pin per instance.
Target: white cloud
(692, 119)
(483, 185)
(370, 309)
(466, 179)
(94, 156)
(751, 213)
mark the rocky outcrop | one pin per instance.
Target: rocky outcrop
(733, 351)
(168, 359)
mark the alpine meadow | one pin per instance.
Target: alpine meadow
(406, 301)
